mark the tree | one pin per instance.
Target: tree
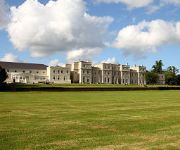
(172, 69)
(3, 75)
(171, 78)
(157, 67)
(151, 78)
(178, 79)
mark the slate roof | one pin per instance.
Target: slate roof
(18, 65)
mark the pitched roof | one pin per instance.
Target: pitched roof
(18, 65)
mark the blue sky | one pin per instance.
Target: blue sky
(121, 16)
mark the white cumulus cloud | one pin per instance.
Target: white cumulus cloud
(138, 40)
(61, 25)
(82, 54)
(153, 8)
(4, 14)
(110, 60)
(55, 62)
(129, 3)
(9, 57)
(175, 2)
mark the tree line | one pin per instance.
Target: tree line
(171, 74)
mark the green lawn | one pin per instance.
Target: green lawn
(90, 120)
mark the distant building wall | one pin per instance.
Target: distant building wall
(96, 75)
(161, 79)
(57, 74)
(85, 72)
(134, 76)
(78, 72)
(25, 72)
(106, 72)
(141, 71)
(116, 74)
(125, 74)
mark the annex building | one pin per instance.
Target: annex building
(78, 72)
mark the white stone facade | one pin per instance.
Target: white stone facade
(107, 73)
(96, 75)
(78, 72)
(140, 73)
(116, 78)
(26, 75)
(125, 74)
(82, 72)
(58, 74)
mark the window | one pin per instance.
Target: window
(37, 72)
(30, 71)
(61, 71)
(87, 72)
(54, 71)
(67, 71)
(87, 80)
(15, 71)
(64, 78)
(23, 71)
(54, 78)
(108, 80)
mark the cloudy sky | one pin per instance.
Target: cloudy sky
(116, 31)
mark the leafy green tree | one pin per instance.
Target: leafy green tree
(3, 75)
(173, 70)
(151, 78)
(178, 79)
(157, 67)
(171, 78)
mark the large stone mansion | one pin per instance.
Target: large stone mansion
(78, 72)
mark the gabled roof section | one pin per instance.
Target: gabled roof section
(18, 65)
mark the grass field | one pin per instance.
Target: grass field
(90, 120)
